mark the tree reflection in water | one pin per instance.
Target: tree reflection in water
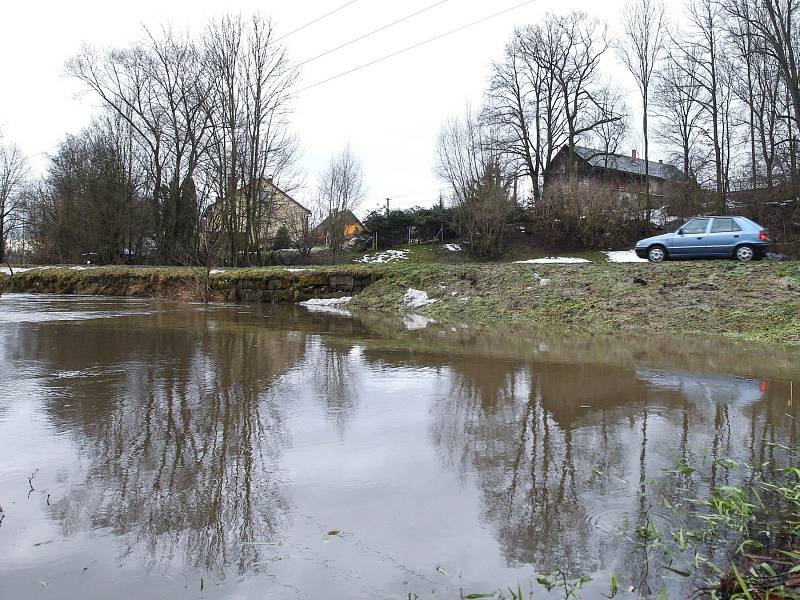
(185, 461)
(183, 420)
(553, 447)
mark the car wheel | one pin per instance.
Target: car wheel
(656, 254)
(745, 253)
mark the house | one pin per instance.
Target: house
(620, 172)
(345, 222)
(277, 219)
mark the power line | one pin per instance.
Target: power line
(417, 45)
(317, 20)
(371, 33)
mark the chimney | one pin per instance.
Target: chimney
(269, 179)
(633, 155)
(661, 161)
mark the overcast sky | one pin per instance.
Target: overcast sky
(390, 113)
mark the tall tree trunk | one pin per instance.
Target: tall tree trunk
(647, 200)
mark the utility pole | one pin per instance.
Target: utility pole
(387, 206)
(441, 223)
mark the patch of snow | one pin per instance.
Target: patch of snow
(414, 322)
(384, 257)
(624, 256)
(543, 281)
(417, 298)
(5, 270)
(79, 268)
(556, 260)
(659, 216)
(296, 270)
(215, 271)
(453, 247)
(327, 301)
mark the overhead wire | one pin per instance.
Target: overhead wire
(373, 32)
(417, 45)
(317, 20)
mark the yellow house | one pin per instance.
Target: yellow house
(276, 219)
(350, 226)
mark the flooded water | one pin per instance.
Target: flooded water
(176, 451)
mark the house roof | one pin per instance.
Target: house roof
(625, 164)
(348, 217)
(269, 182)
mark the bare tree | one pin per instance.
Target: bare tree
(480, 186)
(571, 51)
(14, 175)
(462, 153)
(340, 188)
(610, 135)
(700, 49)
(644, 43)
(251, 82)
(767, 31)
(207, 117)
(679, 107)
(523, 109)
(157, 87)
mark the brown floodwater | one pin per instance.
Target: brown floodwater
(184, 451)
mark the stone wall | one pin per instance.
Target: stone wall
(249, 286)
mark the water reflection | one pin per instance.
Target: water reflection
(571, 458)
(184, 446)
(197, 430)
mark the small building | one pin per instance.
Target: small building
(277, 218)
(344, 221)
(620, 172)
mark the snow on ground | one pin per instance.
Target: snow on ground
(296, 270)
(215, 271)
(385, 257)
(556, 260)
(5, 270)
(624, 256)
(453, 247)
(417, 298)
(327, 301)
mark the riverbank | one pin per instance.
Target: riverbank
(756, 301)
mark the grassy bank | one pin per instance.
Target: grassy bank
(757, 301)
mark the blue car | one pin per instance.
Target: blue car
(724, 237)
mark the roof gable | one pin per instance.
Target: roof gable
(265, 184)
(347, 216)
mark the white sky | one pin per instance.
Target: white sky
(390, 113)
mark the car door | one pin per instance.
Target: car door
(690, 240)
(723, 236)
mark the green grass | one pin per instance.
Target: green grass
(751, 302)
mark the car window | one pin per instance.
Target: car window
(695, 226)
(726, 225)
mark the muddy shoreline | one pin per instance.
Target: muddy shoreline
(752, 302)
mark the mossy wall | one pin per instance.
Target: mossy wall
(251, 285)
